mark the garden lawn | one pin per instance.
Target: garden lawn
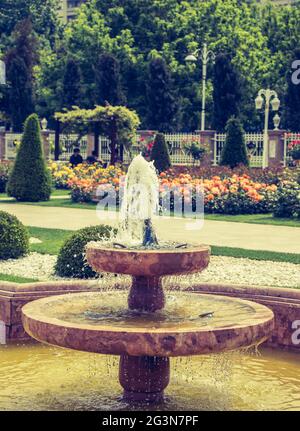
(242, 218)
(52, 240)
(16, 279)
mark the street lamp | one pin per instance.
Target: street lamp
(269, 97)
(204, 55)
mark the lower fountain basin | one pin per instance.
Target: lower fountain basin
(101, 323)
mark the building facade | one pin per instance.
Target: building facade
(68, 9)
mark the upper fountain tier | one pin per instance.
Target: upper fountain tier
(147, 262)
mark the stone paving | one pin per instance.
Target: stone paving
(242, 235)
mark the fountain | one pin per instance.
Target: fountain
(146, 327)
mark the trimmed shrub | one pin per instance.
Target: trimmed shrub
(14, 238)
(234, 152)
(30, 179)
(71, 259)
(288, 202)
(160, 153)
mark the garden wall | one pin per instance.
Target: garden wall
(285, 304)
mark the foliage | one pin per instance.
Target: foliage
(14, 239)
(160, 153)
(107, 80)
(293, 147)
(161, 105)
(20, 60)
(195, 148)
(288, 201)
(118, 123)
(292, 98)
(71, 90)
(30, 179)
(226, 93)
(234, 151)
(260, 39)
(71, 259)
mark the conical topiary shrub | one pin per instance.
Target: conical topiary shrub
(160, 153)
(30, 179)
(234, 152)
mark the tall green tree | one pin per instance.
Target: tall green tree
(226, 93)
(160, 100)
(160, 153)
(234, 151)
(72, 85)
(20, 94)
(292, 97)
(20, 60)
(108, 81)
(30, 179)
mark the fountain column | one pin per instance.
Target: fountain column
(144, 378)
(146, 294)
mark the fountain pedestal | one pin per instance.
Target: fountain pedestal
(146, 294)
(144, 378)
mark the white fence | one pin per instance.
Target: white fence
(289, 137)
(254, 143)
(176, 143)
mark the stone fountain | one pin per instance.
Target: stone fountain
(144, 327)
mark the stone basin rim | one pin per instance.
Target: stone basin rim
(81, 336)
(190, 248)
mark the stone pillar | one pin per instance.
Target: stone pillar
(207, 137)
(2, 144)
(91, 144)
(46, 143)
(276, 147)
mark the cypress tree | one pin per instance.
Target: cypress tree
(161, 104)
(226, 93)
(234, 151)
(72, 85)
(20, 94)
(160, 153)
(30, 179)
(108, 81)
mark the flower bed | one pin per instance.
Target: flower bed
(225, 191)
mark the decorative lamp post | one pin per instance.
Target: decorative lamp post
(269, 97)
(205, 56)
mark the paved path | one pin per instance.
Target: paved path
(229, 234)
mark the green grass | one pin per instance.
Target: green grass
(255, 254)
(255, 219)
(16, 279)
(52, 239)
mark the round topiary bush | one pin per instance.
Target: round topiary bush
(14, 238)
(71, 259)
